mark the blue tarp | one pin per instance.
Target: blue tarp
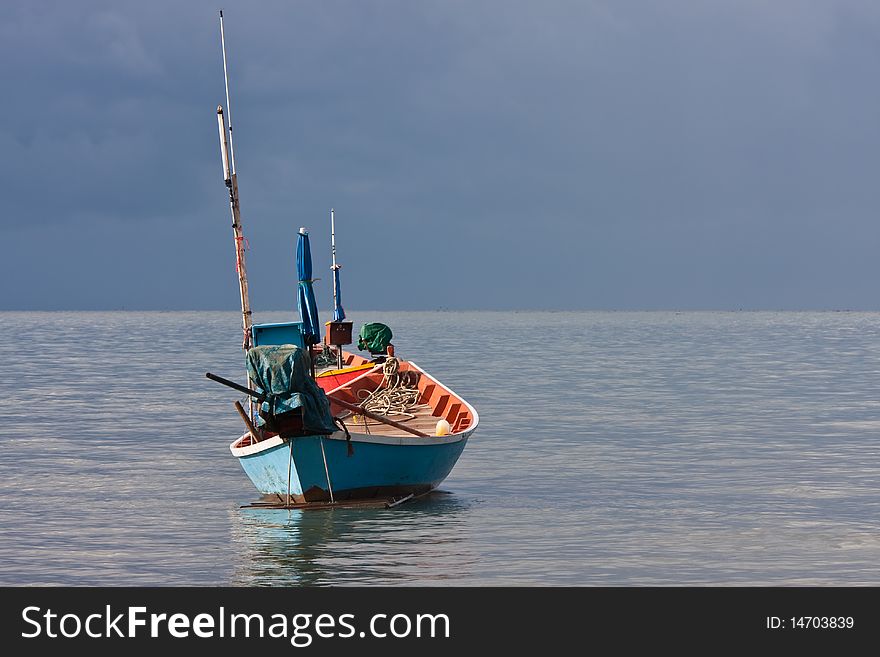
(281, 372)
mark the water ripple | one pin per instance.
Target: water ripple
(614, 449)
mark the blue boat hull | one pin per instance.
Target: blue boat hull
(367, 467)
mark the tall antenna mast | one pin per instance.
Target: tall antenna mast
(231, 181)
(228, 104)
(334, 266)
(340, 332)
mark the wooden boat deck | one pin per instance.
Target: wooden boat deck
(435, 403)
(423, 421)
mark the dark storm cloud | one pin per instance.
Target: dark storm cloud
(479, 154)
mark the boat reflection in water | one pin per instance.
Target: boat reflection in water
(419, 543)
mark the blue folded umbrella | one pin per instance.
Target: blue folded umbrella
(308, 307)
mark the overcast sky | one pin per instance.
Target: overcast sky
(479, 154)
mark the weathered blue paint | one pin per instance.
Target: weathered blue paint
(372, 464)
(267, 470)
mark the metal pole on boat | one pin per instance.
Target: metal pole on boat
(228, 105)
(227, 152)
(335, 269)
(231, 181)
(326, 470)
(289, 463)
(333, 266)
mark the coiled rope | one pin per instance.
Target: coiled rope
(398, 394)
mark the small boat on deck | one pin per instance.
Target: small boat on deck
(326, 426)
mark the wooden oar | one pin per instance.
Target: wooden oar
(235, 386)
(379, 418)
(255, 437)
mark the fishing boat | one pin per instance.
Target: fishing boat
(324, 425)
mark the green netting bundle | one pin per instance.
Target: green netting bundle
(374, 337)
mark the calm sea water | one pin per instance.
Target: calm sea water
(613, 449)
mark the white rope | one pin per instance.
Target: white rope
(398, 394)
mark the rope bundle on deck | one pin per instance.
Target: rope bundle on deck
(398, 393)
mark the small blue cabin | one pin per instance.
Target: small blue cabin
(278, 333)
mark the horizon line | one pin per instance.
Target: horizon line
(448, 310)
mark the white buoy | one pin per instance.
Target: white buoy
(443, 428)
